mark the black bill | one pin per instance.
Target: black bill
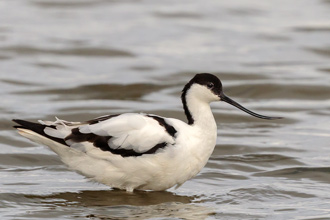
(225, 98)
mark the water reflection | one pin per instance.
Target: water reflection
(113, 198)
(117, 204)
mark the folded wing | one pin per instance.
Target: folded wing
(126, 134)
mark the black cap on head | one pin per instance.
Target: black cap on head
(206, 79)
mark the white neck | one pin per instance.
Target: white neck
(203, 126)
(200, 112)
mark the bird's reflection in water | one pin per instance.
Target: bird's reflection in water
(118, 204)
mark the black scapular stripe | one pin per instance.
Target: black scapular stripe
(101, 142)
(169, 128)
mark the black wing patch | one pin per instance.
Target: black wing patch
(169, 129)
(38, 128)
(101, 142)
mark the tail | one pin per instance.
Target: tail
(52, 134)
(49, 135)
(26, 129)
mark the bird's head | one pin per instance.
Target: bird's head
(208, 88)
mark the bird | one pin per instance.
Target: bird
(139, 151)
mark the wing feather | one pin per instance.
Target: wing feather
(127, 134)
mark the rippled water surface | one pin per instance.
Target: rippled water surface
(80, 59)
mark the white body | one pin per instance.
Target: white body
(179, 161)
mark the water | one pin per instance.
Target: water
(81, 59)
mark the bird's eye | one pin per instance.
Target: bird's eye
(210, 85)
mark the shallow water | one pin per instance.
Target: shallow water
(81, 59)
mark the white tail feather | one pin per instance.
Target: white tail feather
(60, 149)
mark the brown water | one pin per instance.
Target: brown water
(78, 59)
